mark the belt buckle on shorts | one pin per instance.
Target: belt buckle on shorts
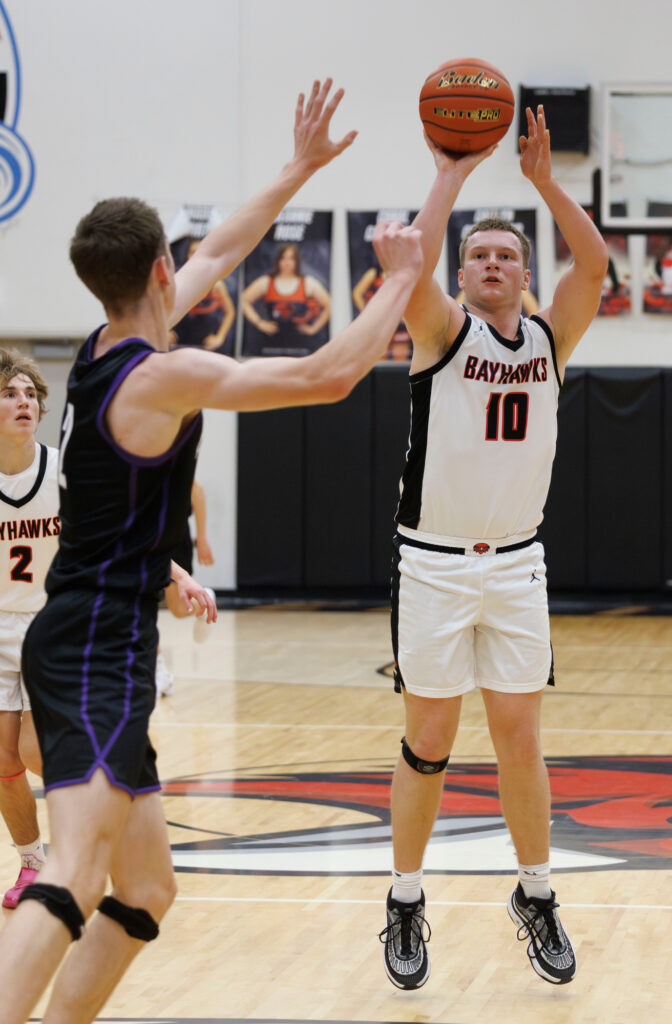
(481, 548)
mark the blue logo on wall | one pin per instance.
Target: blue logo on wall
(17, 167)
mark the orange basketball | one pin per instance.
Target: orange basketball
(466, 105)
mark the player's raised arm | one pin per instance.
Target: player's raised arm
(577, 295)
(428, 315)
(226, 245)
(169, 386)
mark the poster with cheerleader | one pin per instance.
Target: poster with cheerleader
(615, 299)
(285, 301)
(460, 223)
(658, 267)
(366, 275)
(211, 323)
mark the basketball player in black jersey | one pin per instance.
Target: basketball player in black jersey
(129, 438)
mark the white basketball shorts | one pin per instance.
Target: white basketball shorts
(13, 694)
(466, 621)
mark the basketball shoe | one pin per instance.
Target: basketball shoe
(549, 949)
(405, 954)
(26, 877)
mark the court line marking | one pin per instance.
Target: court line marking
(155, 723)
(434, 903)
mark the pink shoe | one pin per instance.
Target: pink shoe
(26, 877)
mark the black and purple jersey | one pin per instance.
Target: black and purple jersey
(121, 515)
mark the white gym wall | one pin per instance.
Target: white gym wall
(193, 102)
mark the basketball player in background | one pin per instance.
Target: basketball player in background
(129, 438)
(29, 528)
(184, 556)
(469, 603)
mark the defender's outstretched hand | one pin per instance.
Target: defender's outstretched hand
(398, 248)
(535, 150)
(311, 126)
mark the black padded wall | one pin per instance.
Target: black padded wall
(391, 420)
(271, 498)
(563, 529)
(338, 483)
(317, 488)
(667, 478)
(624, 443)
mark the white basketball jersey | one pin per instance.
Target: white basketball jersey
(483, 435)
(29, 528)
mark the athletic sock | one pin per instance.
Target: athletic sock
(407, 886)
(535, 880)
(32, 855)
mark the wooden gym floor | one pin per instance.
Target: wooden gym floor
(276, 750)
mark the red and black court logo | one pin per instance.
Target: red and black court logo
(608, 813)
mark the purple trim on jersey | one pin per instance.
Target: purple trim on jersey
(85, 677)
(132, 492)
(91, 341)
(129, 686)
(138, 460)
(110, 778)
(101, 754)
(165, 489)
(114, 386)
(93, 338)
(414, 378)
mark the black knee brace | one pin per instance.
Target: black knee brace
(59, 902)
(417, 763)
(136, 922)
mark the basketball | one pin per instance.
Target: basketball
(466, 105)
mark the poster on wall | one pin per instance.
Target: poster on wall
(366, 275)
(285, 300)
(460, 223)
(658, 268)
(616, 299)
(211, 323)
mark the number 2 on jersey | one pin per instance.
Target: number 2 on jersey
(507, 419)
(19, 572)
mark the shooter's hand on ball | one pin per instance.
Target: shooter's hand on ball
(463, 163)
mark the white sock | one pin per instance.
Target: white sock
(535, 880)
(407, 886)
(32, 855)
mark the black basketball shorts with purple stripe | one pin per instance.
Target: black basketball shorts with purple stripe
(88, 662)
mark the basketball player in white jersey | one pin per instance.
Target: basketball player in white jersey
(29, 527)
(469, 606)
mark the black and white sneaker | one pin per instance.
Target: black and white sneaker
(405, 954)
(549, 949)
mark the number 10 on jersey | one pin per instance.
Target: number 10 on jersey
(506, 416)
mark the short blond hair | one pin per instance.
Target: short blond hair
(497, 224)
(13, 363)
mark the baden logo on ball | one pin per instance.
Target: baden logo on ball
(466, 105)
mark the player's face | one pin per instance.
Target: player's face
(19, 408)
(493, 271)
